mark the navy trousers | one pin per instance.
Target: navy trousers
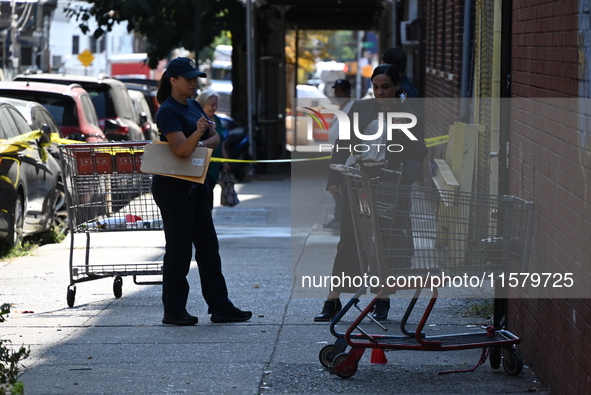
(187, 222)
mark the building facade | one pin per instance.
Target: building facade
(530, 51)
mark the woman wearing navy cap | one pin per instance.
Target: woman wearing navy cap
(184, 204)
(386, 87)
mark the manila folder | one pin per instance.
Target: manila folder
(158, 158)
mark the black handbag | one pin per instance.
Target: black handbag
(229, 197)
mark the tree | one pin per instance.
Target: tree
(170, 24)
(166, 24)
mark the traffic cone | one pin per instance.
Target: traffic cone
(378, 356)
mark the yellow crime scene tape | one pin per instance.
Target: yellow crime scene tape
(433, 141)
(55, 138)
(17, 143)
(214, 159)
(22, 142)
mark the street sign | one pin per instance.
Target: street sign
(86, 57)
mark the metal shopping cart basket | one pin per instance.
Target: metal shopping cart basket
(420, 235)
(107, 192)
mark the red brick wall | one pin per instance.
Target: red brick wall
(444, 36)
(545, 59)
(443, 63)
(551, 164)
(555, 341)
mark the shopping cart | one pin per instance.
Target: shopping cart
(107, 192)
(419, 235)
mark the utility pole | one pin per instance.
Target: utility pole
(14, 47)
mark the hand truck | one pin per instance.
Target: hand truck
(420, 234)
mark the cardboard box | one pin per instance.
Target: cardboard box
(158, 158)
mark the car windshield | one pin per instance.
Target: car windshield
(103, 103)
(62, 108)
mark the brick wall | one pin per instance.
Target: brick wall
(550, 164)
(444, 35)
(443, 65)
(545, 59)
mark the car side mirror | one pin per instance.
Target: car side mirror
(45, 138)
(143, 118)
(111, 126)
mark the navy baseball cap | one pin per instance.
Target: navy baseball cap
(185, 67)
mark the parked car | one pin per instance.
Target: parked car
(111, 100)
(149, 88)
(37, 117)
(35, 114)
(70, 107)
(145, 119)
(31, 186)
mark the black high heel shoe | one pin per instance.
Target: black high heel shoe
(329, 311)
(381, 309)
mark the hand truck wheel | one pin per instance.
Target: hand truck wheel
(348, 371)
(495, 357)
(71, 295)
(512, 362)
(118, 287)
(326, 355)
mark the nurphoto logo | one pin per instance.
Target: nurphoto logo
(387, 123)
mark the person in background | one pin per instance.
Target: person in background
(209, 101)
(342, 94)
(386, 87)
(397, 57)
(184, 206)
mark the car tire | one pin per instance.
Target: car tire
(15, 234)
(61, 218)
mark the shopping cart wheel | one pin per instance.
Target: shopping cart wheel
(71, 295)
(118, 287)
(347, 371)
(512, 362)
(326, 355)
(495, 357)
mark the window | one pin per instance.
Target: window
(75, 45)
(97, 45)
(56, 61)
(20, 121)
(89, 109)
(92, 44)
(9, 127)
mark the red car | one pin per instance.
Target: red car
(70, 106)
(111, 101)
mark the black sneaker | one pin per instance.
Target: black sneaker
(181, 320)
(234, 314)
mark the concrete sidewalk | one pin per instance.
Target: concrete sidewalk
(105, 345)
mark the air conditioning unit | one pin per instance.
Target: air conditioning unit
(409, 33)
